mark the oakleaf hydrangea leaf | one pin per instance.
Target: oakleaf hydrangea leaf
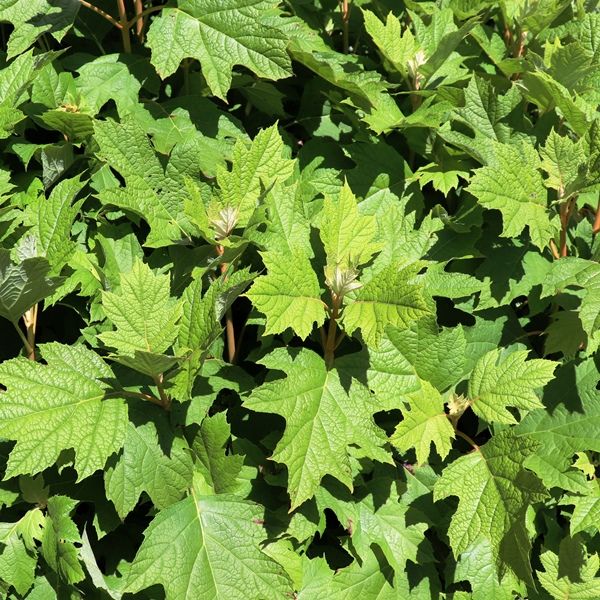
(220, 470)
(390, 298)
(494, 491)
(255, 167)
(567, 429)
(397, 47)
(52, 219)
(288, 297)
(214, 542)
(564, 161)
(145, 318)
(386, 525)
(59, 538)
(17, 564)
(584, 274)
(498, 382)
(48, 408)
(346, 234)
(221, 34)
(425, 422)
(144, 466)
(322, 420)
(31, 19)
(587, 587)
(586, 512)
(512, 184)
(368, 579)
(150, 191)
(23, 285)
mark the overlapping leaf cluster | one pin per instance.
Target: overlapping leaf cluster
(300, 300)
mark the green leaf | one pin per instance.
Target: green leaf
(48, 408)
(584, 274)
(219, 469)
(322, 420)
(567, 429)
(18, 558)
(59, 538)
(366, 88)
(287, 226)
(255, 167)
(214, 542)
(562, 588)
(385, 524)
(494, 491)
(425, 423)
(221, 35)
(32, 19)
(397, 47)
(390, 298)
(368, 579)
(476, 565)
(23, 285)
(52, 219)
(105, 78)
(564, 161)
(347, 235)
(288, 297)
(145, 466)
(486, 113)
(17, 564)
(499, 382)
(148, 192)
(145, 319)
(512, 184)
(17, 77)
(586, 514)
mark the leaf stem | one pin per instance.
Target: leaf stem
(139, 21)
(229, 327)
(124, 27)
(28, 348)
(101, 13)
(142, 14)
(566, 210)
(596, 227)
(138, 395)
(330, 341)
(30, 320)
(345, 10)
(468, 439)
(165, 401)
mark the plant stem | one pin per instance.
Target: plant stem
(138, 395)
(566, 210)
(345, 9)
(330, 341)
(28, 348)
(465, 437)
(229, 328)
(165, 401)
(596, 227)
(30, 320)
(101, 13)
(139, 22)
(124, 27)
(144, 13)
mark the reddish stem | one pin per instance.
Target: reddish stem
(330, 342)
(229, 328)
(596, 228)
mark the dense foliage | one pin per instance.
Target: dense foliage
(300, 299)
